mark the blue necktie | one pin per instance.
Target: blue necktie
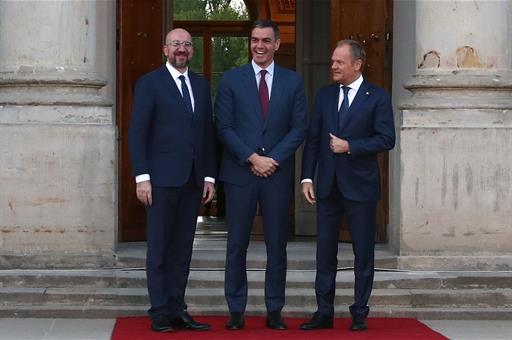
(186, 94)
(344, 105)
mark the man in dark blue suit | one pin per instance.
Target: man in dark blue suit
(353, 122)
(260, 114)
(171, 142)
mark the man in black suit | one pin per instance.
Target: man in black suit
(171, 142)
(353, 122)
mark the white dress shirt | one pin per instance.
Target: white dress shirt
(175, 75)
(354, 87)
(268, 77)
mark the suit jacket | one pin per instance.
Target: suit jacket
(243, 131)
(165, 140)
(369, 129)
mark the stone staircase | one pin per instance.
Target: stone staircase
(120, 291)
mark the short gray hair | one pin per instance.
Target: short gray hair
(356, 49)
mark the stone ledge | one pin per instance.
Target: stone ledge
(459, 90)
(461, 79)
(66, 113)
(460, 263)
(60, 260)
(54, 86)
(445, 116)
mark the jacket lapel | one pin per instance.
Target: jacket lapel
(360, 97)
(171, 84)
(173, 88)
(334, 118)
(277, 80)
(252, 91)
(196, 93)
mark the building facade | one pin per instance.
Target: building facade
(450, 175)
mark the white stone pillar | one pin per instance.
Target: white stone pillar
(57, 138)
(456, 139)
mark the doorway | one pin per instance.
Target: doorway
(309, 32)
(219, 30)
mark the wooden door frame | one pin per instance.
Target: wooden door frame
(386, 74)
(214, 28)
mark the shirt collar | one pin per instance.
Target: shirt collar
(257, 68)
(356, 84)
(174, 72)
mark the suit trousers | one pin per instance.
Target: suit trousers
(171, 225)
(361, 220)
(241, 203)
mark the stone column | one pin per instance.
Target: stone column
(456, 139)
(57, 138)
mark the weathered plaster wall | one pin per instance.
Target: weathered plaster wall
(57, 188)
(57, 138)
(455, 139)
(463, 34)
(404, 67)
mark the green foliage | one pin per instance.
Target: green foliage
(210, 10)
(227, 51)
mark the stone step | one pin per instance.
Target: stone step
(211, 254)
(117, 278)
(296, 297)
(95, 311)
(211, 260)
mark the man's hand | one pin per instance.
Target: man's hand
(338, 145)
(262, 166)
(208, 192)
(309, 192)
(144, 193)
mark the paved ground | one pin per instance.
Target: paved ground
(100, 329)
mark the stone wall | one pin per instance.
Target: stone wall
(57, 139)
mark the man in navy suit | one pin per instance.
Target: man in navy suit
(171, 142)
(260, 113)
(353, 122)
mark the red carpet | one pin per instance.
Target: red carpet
(138, 328)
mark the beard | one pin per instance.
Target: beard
(179, 62)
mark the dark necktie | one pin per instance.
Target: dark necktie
(263, 90)
(186, 94)
(344, 105)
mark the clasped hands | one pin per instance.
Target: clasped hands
(262, 166)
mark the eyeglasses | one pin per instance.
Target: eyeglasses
(177, 43)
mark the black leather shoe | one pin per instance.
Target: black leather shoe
(275, 321)
(358, 324)
(318, 321)
(186, 322)
(161, 323)
(235, 322)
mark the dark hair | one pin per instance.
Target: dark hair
(356, 49)
(265, 24)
